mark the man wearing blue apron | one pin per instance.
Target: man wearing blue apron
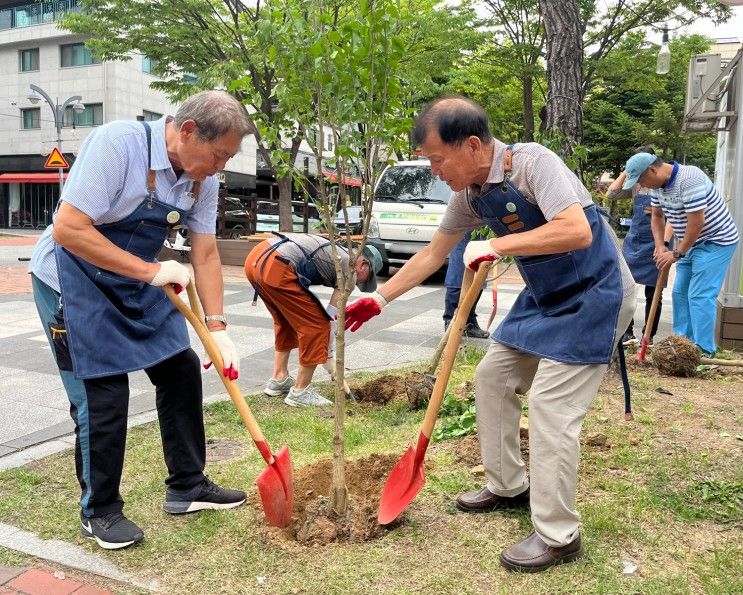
(557, 340)
(98, 289)
(638, 247)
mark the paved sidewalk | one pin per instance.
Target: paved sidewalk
(36, 422)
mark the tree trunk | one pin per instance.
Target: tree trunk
(528, 96)
(338, 489)
(564, 113)
(285, 184)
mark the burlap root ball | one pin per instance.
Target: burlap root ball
(676, 356)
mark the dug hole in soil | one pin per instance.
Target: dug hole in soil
(314, 523)
(415, 387)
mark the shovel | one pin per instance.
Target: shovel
(662, 278)
(407, 477)
(275, 483)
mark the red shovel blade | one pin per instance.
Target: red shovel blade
(403, 484)
(643, 348)
(276, 488)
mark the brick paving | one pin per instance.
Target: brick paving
(36, 581)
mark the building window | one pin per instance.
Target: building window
(31, 118)
(149, 64)
(329, 141)
(92, 115)
(150, 116)
(29, 60)
(76, 54)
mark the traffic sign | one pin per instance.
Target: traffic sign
(56, 160)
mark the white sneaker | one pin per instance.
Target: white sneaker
(306, 397)
(276, 388)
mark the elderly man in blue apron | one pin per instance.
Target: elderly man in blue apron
(639, 245)
(98, 289)
(557, 340)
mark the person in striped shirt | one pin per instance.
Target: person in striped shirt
(706, 233)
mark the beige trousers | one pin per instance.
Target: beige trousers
(559, 397)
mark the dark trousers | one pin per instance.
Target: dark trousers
(99, 407)
(453, 282)
(649, 291)
(451, 300)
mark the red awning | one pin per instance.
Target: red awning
(332, 177)
(31, 178)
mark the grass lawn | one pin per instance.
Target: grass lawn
(660, 499)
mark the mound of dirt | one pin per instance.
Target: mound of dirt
(676, 356)
(314, 523)
(381, 391)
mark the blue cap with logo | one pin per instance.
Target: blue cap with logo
(636, 166)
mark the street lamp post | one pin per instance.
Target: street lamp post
(35, 95)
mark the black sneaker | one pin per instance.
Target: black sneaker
(474, 331)
(205, 495)
(112, 531)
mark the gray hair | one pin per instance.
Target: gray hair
(216, 113)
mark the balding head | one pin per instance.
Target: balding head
(455, 119)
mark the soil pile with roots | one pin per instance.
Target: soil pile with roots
(415, 387)
(676, 356)
(314, 523)
(380, 391)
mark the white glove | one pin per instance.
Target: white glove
(332, 312)
(230, 359)
(478, 251)
(171, 272)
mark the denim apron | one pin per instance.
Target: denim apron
(116, 324)
(639, 244)
(569, 308)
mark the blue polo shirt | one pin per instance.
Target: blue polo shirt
(109, 180)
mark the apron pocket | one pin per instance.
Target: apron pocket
(61, 347)
(553, 281)
(123, 293)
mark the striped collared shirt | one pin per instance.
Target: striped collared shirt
(689, 190)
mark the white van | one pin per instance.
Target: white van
(409, 202)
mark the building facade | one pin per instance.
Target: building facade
(34, 50)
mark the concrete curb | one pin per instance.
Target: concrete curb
(69, 555)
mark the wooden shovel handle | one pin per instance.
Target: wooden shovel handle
(468, 295)
(662, 278)
(213, 351)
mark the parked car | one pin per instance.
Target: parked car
(355, 224)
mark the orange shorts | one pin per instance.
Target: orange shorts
(298, 320)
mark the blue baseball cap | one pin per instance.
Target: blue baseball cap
(636, 166)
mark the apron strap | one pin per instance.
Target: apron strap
(150, 171)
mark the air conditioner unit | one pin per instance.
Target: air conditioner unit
(703, 71)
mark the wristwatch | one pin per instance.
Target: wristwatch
(677, 254)
(216, 318)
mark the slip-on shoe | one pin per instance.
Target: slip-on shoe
(484, 501)
(533, 555)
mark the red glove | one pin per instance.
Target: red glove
(362, 310)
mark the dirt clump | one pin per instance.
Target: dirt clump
(314, 523)
(418, 388)
(381, 391)
(676, 356)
